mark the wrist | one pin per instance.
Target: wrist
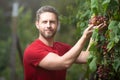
(85, 36)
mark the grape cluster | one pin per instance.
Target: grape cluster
(103, 72)
(104, 47)
(96, 20)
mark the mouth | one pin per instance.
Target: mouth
(49, 30)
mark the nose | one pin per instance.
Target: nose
(48, 24)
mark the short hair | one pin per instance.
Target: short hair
(46, 9)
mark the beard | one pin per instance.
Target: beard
(48, 34)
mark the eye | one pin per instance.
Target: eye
(52, 22)
(44, 22)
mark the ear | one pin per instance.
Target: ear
(37, 24)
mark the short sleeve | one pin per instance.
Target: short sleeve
(34, 56)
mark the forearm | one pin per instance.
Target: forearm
(84, 54)
(71, 56)
(82, 57)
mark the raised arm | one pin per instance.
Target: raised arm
(54, 62)
(82, 58)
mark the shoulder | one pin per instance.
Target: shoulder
(34, 46)
(35, 51)
(35, 43)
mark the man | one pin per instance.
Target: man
(45, 59)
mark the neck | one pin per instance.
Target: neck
(47, 41)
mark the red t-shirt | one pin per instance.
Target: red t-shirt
(34, 53)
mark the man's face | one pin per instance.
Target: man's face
(47, 24)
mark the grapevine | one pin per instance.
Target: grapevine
(105, 49)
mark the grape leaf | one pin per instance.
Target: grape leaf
(95, 35)
(105, 4)
(116, 39)
(116, 64)
(92, 64)
(94, 6)
(112, 25)
(110, 45)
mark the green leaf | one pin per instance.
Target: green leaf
(95, 35)
(90, 57)
(116, 39)
(105, 4)
(112, 25)
(93, 46)
(110, 45)
(116, 16)
(92, 65)
(119, 25)
(116, 64)
(114, 30)
(94, 6)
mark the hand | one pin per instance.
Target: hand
(100, 22)
(88, 31)
(100, 27)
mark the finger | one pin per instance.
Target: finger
(90, 32)
(90, 27)
(105, 24)
(100, 25)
